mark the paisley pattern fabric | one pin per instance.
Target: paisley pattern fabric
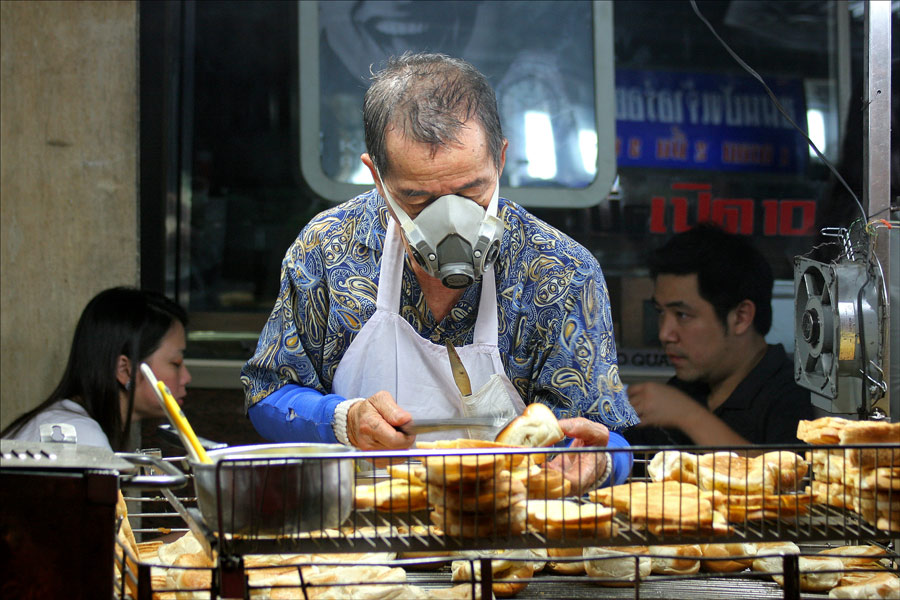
(556, 334)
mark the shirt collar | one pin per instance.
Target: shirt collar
(371, 228)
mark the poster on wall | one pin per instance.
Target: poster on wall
(708, 121)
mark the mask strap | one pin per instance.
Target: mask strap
(405, 222)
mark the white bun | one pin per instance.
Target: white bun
(537, 427)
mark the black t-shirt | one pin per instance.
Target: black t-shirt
(764, 408)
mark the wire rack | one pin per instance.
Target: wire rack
(816, 495)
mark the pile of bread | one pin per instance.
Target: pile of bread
(480, 493)
(857, 476)
(488, 493)
(703, 494)
(405, 490)
(511, 570)
(475, 495)
(843, 572)
(182, 570)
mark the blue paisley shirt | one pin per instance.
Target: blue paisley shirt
(555, 339)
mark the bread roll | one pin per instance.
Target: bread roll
(817, 573)
(881, 479)
(832, 494)
(741, 555)
(617, 565)
(675, 559)
(825, 430)
(414, 473)
(669, 507)
(870, 432)
(775, 472)
(519, 572)
(559, 512)
(783, 470)
(855, 575)
(186, 544)
(392, 495)
(568, 566)
(444, 470)
(544, 483)
(510, 521)
(879, 585)
(537, 427)
(148, 552)
(673, 465)
(191, 575)
(391, 582)
(770, 553)
(856, 556)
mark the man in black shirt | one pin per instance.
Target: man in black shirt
(713, 292)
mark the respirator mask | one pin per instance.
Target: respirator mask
(453, 239)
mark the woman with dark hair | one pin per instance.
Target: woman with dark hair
(102, 389)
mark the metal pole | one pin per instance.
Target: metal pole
(877, 171)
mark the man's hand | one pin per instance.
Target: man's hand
(588, 433)
(371, 424)
(664, 406)
(661, 405)
(582, 469)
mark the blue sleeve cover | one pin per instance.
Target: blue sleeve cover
(295, 414)
(622, 461)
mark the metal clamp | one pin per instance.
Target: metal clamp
(174, 478)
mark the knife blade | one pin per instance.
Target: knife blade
(459, 372)
(427, 425)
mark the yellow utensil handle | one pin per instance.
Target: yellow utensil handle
(181, 422)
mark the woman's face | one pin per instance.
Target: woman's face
(167, 363)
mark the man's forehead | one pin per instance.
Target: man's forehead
(676, 290)
(397, 139)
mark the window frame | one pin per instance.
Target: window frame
(529, 196)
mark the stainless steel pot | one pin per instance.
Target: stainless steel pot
(275, 489)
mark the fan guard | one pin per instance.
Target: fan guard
(827, 325)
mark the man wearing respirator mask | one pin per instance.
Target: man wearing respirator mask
(373, 289)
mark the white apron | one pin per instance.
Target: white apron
(388, 354)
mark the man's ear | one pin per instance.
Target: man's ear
(370, 164)
(367, 160)
(741, 317)
(123, 370)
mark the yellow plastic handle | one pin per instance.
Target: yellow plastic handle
(181, 423)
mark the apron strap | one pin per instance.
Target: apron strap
(390, 274)
(486, 325)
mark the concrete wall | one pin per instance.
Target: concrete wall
(68, 179)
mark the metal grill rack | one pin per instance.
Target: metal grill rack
(370, 530)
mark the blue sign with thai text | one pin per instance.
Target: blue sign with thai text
(705, 121)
